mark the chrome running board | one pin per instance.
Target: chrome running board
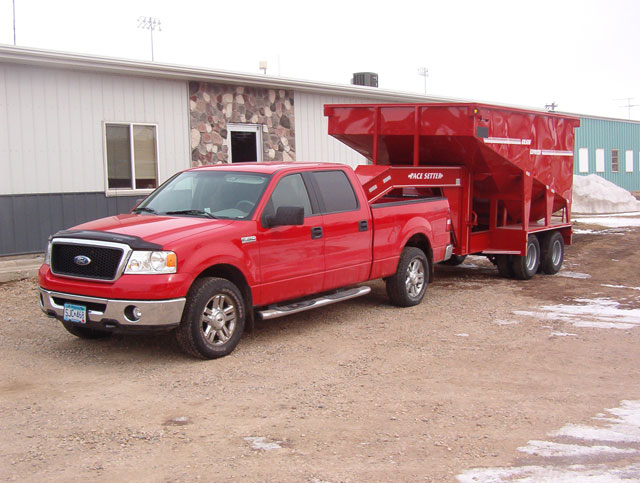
(274, 311)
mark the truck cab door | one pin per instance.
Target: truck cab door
(347, 230)
(291, 256)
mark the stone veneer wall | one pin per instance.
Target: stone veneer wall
(213, 106)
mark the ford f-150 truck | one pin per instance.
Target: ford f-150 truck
(214, 247)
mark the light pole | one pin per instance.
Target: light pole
(151, 24)
(14, 23)
(424, 72)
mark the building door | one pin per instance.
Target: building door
(245, 142)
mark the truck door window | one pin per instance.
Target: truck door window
(336, 190)
(290, 191)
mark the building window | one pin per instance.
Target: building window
(614, 161)
(628, 161)
(132, 156)
(245, 142)
(583, 160)
(599, 160)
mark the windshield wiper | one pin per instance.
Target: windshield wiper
(144, 210)
(191, 212)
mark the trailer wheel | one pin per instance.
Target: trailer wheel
(213, 319)
(525, 267)
(408, 285)
(505, 266)
(552, 253)
(85, 332)
(455, 260)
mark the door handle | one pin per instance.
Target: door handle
(363, 225)
(316, 232)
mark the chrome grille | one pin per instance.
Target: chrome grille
(104, 259)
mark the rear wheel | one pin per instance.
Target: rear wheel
(552, 253)
(85, 332)
(213, 319)
(525, 267)
(408, 285)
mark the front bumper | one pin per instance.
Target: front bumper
(116, 314)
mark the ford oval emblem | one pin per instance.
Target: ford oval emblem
(81, 260)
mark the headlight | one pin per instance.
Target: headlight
(145, 263)
(47, 254)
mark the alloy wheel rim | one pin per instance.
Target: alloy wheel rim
(219, 319)
(415, 278)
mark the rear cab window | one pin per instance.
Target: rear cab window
(335, 191)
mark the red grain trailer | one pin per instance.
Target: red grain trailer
(506, 172)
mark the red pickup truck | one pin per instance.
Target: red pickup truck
(215, 247)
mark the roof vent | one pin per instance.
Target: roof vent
(365, 79)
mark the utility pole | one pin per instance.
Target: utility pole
(551, 107)
(424, 72)
(14, 23)
(628, 105)
(151, 24)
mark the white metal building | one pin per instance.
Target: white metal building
(82, 137)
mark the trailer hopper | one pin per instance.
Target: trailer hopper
(515, 166)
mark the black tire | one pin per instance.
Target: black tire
(552, 249)
(213, 319)
(505, 266)
(408, 285)
(85, 332)
(525, 267)
(455, 260)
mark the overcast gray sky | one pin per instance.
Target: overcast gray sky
(582, 54)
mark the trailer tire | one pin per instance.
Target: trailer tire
(505, 266)
(213, 319)
(408, 285)
(85, 332)
(526, 266)
(455, 260)
(552, 253)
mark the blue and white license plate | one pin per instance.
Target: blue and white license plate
(75, 313)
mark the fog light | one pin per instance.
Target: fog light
(132, 313)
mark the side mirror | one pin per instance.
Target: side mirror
(285, 216)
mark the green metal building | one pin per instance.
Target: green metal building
(609, 148)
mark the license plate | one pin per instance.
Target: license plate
(75, 313)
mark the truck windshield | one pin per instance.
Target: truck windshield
(211, 194)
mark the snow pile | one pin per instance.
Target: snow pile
(593, 194)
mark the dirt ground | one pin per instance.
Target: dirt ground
(358, 391)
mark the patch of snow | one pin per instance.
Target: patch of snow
(622, 428)
(563, 334)
(462, 335)
(261, 443)
(567, 274)
(609, 221)
(549, 449)
(505, 322)
(594, 194)
(619, 286)
(591, 313)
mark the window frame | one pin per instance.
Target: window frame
(600, 164)
(243, 127)
(617, 151)
(583, 160)
(133, 191)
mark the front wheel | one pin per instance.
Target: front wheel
(213, 319)
(408, 285)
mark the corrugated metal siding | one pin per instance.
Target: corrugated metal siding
(609, 134)
(45, 214)
(312, 140)
(51, 125)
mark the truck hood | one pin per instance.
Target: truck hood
(162, 230)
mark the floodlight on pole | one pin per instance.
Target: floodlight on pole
(14, 22)
(628, 105)
(551, 107)
(424, 72)
(151, 24)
